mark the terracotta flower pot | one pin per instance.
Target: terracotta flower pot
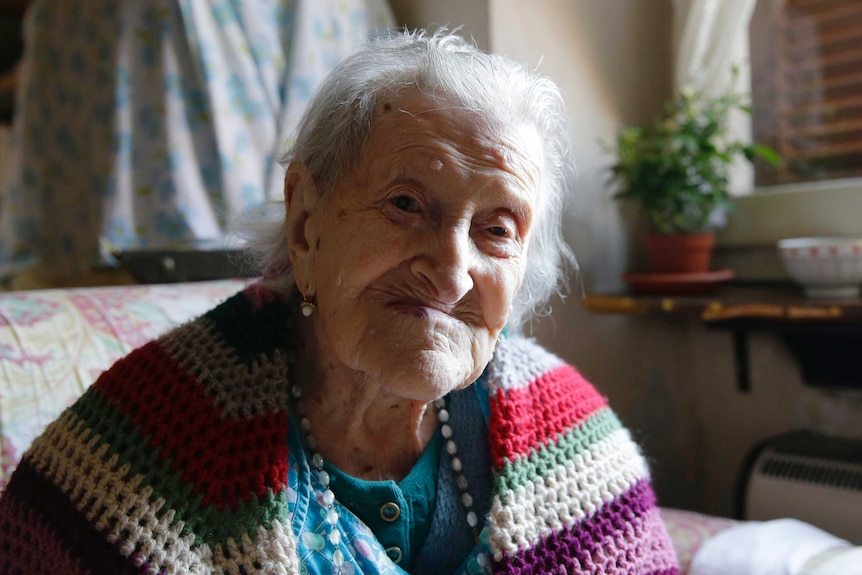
(679, 253)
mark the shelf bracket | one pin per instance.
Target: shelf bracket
(742, 364)
(827, 353)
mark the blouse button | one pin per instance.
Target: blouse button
(390, 512)
(394, 553)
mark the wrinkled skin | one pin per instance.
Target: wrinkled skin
(413, 260)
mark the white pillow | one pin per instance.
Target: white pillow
(778, 547)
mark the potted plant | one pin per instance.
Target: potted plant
(677, 170)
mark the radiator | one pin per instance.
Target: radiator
(811, 477)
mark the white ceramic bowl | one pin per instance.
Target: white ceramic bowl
(825, 266)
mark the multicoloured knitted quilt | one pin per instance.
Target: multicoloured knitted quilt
(175, 461)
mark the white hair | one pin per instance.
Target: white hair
(338, 121)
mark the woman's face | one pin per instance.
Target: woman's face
(414, 258)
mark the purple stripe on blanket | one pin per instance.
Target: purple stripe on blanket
(604, 542)
(56, 517)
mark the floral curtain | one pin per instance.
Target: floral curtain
(143, 124)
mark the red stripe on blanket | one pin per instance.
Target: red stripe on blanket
(220, 457)
(527, 418)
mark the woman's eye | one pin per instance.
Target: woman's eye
(405, 203)
(500, 240)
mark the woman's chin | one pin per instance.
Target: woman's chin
(427, 374)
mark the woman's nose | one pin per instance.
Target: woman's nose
(445, 265)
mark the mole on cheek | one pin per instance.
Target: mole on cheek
(387, 107)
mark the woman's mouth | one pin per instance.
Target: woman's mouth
(422, 310)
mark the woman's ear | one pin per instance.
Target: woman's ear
(300, 199)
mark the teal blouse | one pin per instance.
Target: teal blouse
(399, 514)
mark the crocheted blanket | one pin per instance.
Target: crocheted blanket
(175, 461)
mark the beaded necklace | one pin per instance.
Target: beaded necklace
(328, 497)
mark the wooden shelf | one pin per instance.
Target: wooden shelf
(768, 302)
(824, 335)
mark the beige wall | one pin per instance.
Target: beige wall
(472, 15)
(671, 380)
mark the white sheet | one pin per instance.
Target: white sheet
(779, 547)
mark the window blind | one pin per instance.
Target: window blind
(806, 61)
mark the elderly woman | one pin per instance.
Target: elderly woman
(368, 407)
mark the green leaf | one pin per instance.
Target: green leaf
(767, 154)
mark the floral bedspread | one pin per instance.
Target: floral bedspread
(689, 531)
(54, 343)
